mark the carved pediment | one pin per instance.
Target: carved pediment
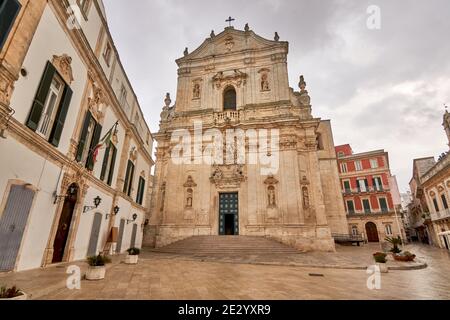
(63, 64)
(97, 103)
(190, 183)
(229, 41)
(227, 176)
(271, 180)
(231, 76)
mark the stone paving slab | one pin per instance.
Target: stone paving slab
(157, 278)
(346, 257)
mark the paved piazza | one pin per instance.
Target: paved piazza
(161, 277)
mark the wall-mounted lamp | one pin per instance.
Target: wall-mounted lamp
(71, 192)
(135, 216)
(115, 212)
(97, 202)
(146, 223)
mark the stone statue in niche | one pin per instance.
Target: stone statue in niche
(196, 91)
(265, 82)
(305, 193)
(271, 195)
(189, 198)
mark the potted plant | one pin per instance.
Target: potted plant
(405, 257)
(133, 256)
(12, 293)
(380, 259)
(97, 267)
(396, 242)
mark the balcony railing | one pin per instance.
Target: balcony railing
(227, 116)
(366, 190)
(444, 214)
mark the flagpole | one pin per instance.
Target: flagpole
(110, 131)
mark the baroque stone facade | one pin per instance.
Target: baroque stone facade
(232, 91)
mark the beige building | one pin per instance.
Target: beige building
(436, 186)
(75, 151)
(240, 153)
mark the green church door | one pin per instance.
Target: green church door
(229, 214)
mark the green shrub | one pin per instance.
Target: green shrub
(380, 257)
(396, 242)
(9, 293)
(98, 261)
(134, 251)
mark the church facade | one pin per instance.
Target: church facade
(240, 153)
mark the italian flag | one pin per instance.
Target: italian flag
(102, 144)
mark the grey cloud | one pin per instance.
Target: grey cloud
(330, 44)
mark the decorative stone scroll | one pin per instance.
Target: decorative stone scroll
(227, 176)
(236, 77)
(63, 64)
(97, 102)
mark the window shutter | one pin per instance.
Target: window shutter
(61, 116)
(140, 197)
(94, 143)
(130, 185)
(113, 163)
(9, 9)
(127, 177)
(105, 162)
(84, 133)
(41, 96)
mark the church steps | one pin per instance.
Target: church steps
(227, 246)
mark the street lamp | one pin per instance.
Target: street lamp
(115, 212)
(135, 216)
(97, 202)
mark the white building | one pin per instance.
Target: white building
(62, 91)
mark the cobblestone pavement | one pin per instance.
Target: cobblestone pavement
(158, 277)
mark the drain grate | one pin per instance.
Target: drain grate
(316, 275)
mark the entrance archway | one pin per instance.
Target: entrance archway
(62, 234)
(372, 232)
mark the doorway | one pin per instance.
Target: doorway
(372, 232)
(12, 225)
(62, 234)
(229, 214)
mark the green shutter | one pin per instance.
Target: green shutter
(113, 163)
(41, 96)
(127, 177)
(105, 163)
(60, 119)
(84, 132)
(9, 9)
(95, 140)
(131, 179)
(141, 189)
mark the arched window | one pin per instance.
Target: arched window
(229, 99)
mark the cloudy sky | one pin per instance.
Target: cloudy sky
(382, 89)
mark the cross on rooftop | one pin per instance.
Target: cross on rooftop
(229, 20)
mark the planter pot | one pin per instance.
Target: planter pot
(95, 273)
(23, 296)
(383, 267)
(404, 258)
(131, 259)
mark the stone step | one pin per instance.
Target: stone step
(227, 246)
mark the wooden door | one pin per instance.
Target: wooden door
(372, 232)
(95, 235)
(62, 233)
